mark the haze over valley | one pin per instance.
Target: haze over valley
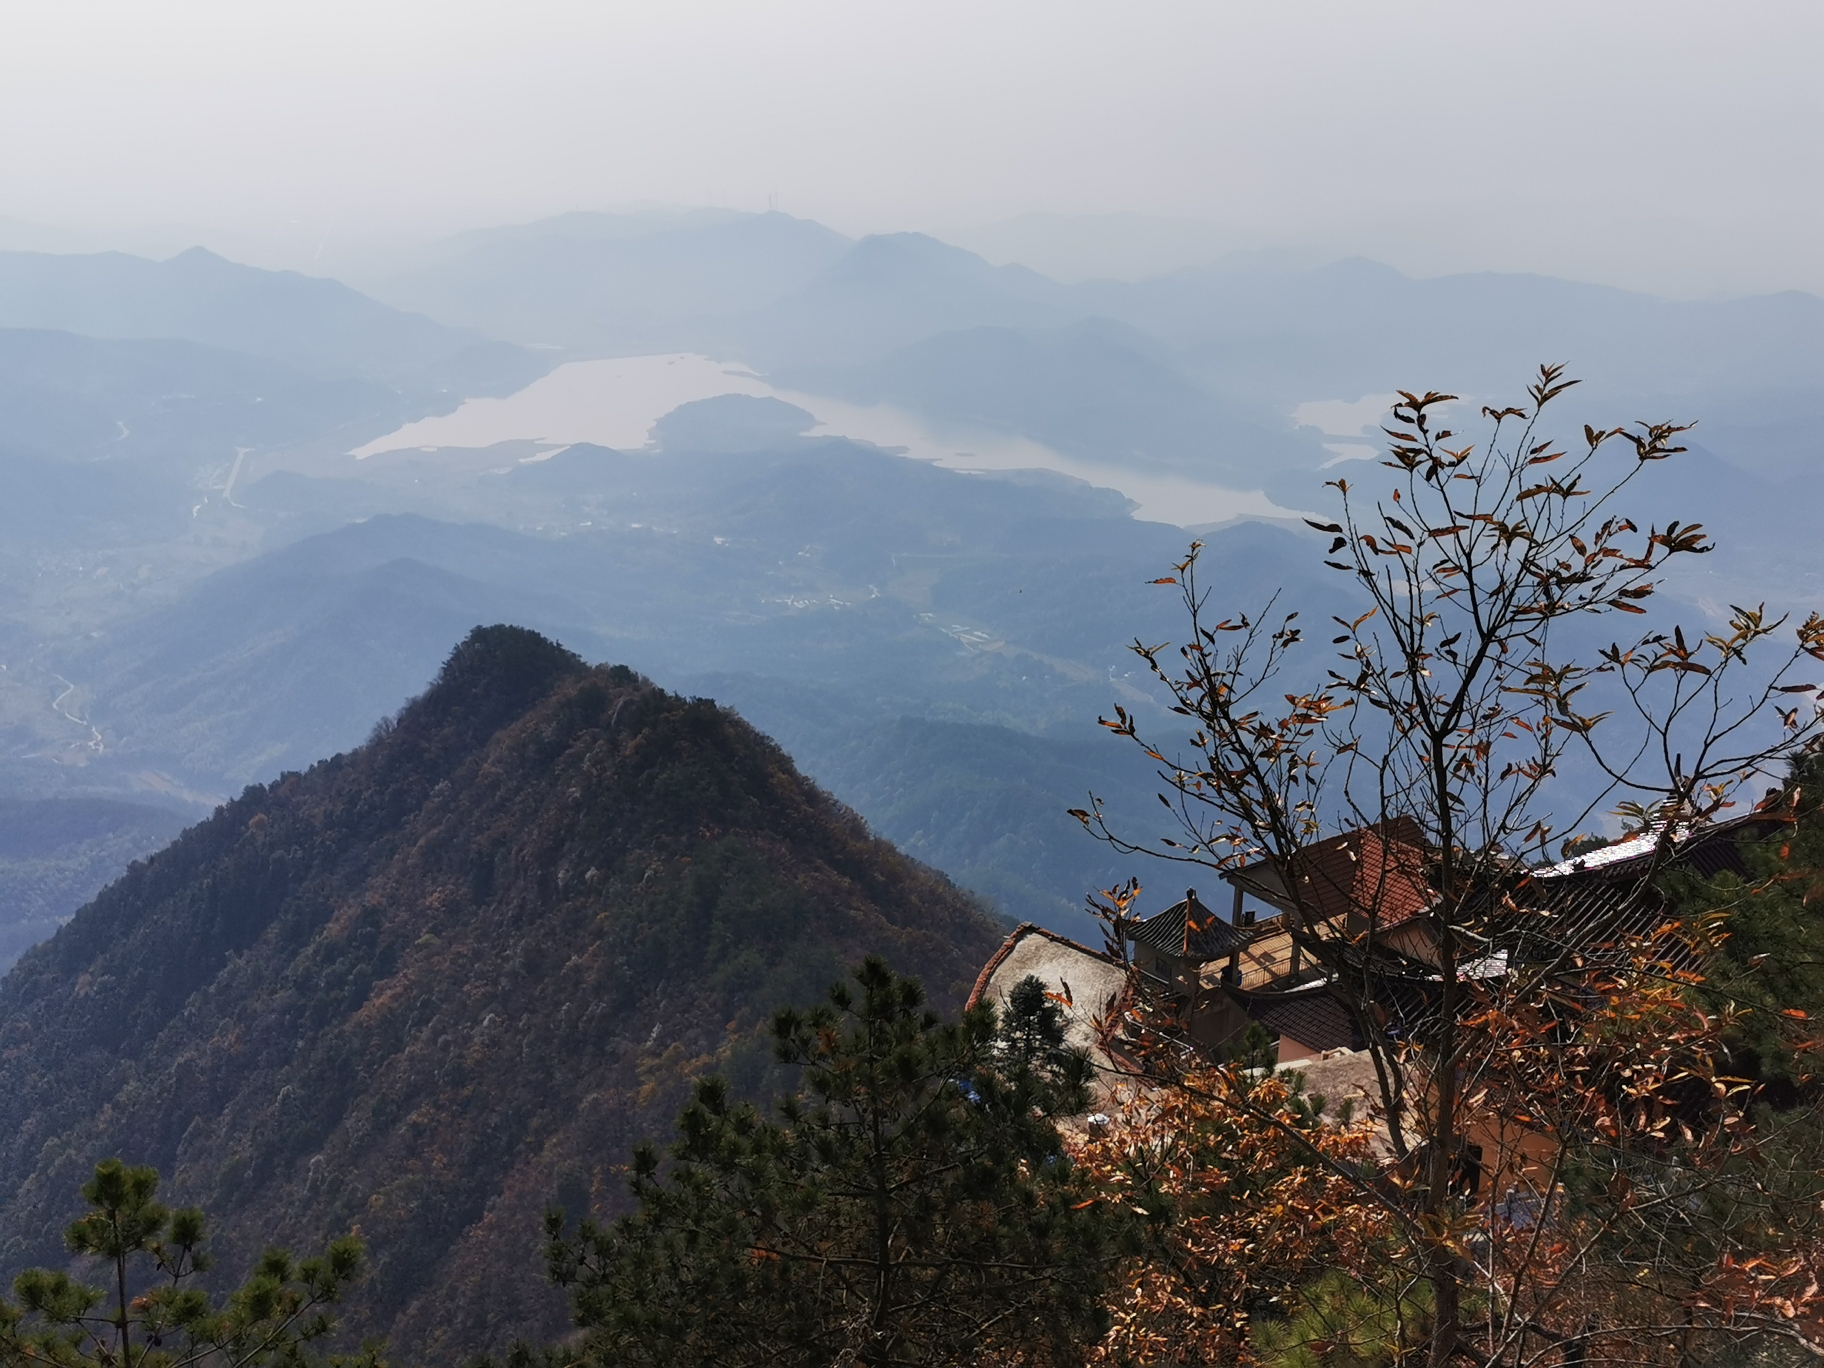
(896, 505)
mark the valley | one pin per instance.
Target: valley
(234, 552)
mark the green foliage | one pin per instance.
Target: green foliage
(912, 1204)
(154, 1315)
(1771, 963)
(1342, 1322)
(1255, 1048)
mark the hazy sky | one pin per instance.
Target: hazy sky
(1670, 145)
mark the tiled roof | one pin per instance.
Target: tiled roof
(1618, 853)
(1378, 872)
(1189, 930)
(1588, 917)
(1313, 1016)
(1707, 851)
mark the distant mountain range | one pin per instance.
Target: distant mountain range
(618, 282)
(1259, 334)
(1122, 246)
(202, 589)
(1097, 390)
(176, 403)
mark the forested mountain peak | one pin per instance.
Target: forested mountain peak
(433, 984)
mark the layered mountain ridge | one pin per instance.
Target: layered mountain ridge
(432, 985)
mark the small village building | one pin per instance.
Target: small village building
(1367, 894)
(1193, 957)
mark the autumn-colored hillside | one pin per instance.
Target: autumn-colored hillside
(433, 985)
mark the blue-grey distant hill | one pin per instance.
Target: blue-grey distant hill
(57, 853)
(1258, 333)
(892, 290)
(86, 398)
(766, 285)
(1096, 390)
(54, 507)
(618, 282)
(318, 326)
(1217, 358)
(1752, 369)
(1234, 346)
(731, 422)
(265, 667)
(111, 443)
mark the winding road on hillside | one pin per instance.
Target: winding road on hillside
(94, 742)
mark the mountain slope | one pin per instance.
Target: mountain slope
(434, 984)
(894, 289)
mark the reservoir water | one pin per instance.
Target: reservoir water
(614, 402)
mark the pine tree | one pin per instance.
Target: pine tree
(152, 1314)
(912, 1205)
(1032, 1050)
